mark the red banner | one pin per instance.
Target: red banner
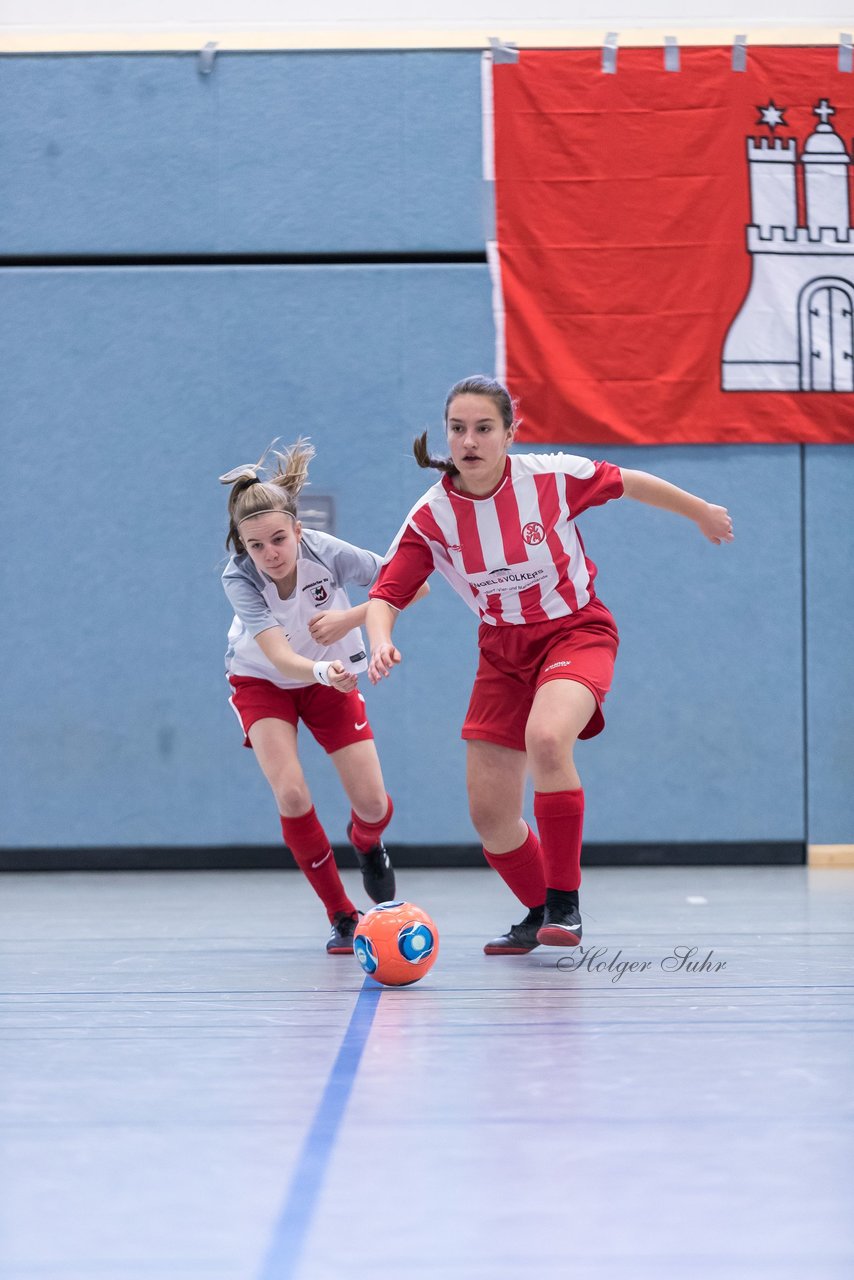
(676, 249)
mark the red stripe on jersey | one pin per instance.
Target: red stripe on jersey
(493, 608)
(591, 568)
(510, 524)
(530, 603)
(605, 483)
(426, 524)
(547, 496)
(410, 565)
(471, 549)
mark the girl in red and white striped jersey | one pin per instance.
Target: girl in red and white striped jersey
(500, 528)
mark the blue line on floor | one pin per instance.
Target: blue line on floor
(294, 1222)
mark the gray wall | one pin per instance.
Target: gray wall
(126, 390)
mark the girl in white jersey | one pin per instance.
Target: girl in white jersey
(501, 529)
(294, 649)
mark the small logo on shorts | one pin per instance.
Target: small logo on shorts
(552, 665)
(533, 533)
(363, 725)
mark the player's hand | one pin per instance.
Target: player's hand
(329, 626)
(716, 524)
(341, 679)
(383, 657)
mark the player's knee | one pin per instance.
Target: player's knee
(372, 807)
(547, 748)
(488, 820)
(293, 798)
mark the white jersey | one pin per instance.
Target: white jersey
(514, 555)
(324, 565)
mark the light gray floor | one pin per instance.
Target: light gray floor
(186, 1091)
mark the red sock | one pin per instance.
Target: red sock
(366, 835)
(309, 844)
(522, 870)
(560, 819)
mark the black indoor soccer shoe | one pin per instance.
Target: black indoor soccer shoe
(341, 938)
(561, 925)
(520, 938)
(377, 871)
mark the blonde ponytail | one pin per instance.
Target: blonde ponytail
(253, 495)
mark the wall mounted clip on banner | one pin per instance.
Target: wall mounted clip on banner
(671, 54)
(206, 58)
(609, 54)
(739, 53)
(846, 61)
(502, 52)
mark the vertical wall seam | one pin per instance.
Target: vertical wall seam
(805, 645)
(493, 256)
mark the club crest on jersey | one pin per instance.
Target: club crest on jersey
(318, 592)
(533, 533)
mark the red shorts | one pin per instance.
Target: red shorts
(334, 719)
(516, 660)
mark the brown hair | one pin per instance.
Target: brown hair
(476, 385)
(253, 495)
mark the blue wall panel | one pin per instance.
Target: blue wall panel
(127, 392)
(704, 736)
(829, 537)
(271, 153)
(107, 154)
(130, 390)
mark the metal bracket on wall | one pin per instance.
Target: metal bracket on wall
(206, 58)
(609, 54)
(503, 51)
(317, 511)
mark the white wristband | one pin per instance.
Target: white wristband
(321, 673)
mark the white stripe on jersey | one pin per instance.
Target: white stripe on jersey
(515, 556)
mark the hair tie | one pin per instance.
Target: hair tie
(247, 471)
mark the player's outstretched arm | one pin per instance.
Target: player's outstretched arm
(276, 647)
(713, 522)
(384, 655)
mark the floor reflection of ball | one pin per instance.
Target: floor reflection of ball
(396, 943)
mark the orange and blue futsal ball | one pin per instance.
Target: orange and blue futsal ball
(396, 943)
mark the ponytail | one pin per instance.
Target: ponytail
(424, 458)
(253, 495)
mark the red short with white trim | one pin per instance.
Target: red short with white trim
(334, 719)
(516, 660)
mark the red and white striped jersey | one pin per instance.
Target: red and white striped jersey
(514, 555)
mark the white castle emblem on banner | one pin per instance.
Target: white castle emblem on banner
(795, 328)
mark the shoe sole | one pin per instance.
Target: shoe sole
(508, 951)
(555, 935)
(339, 951)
